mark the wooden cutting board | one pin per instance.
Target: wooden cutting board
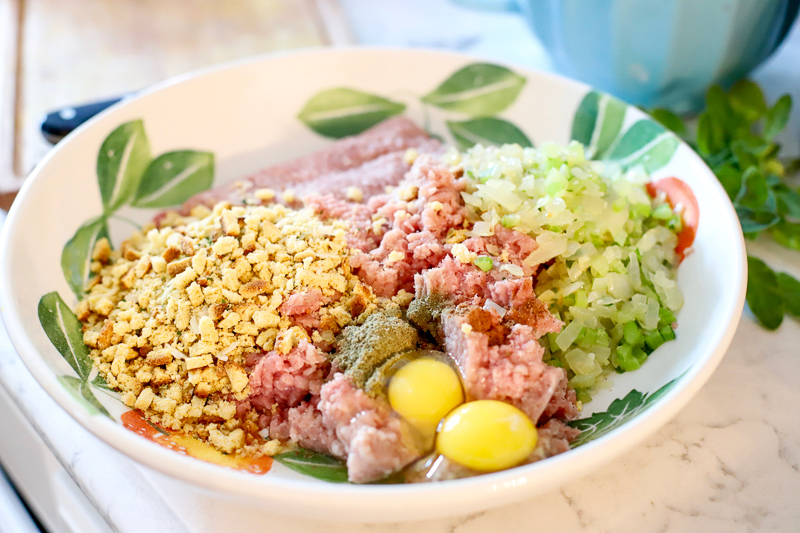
(55, 53)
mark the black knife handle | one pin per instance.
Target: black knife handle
(56, 125)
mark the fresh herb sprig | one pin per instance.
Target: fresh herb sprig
(735, 135)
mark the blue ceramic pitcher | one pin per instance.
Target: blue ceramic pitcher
(662, 53)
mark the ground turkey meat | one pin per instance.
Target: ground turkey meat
(336, 418)
(405, 239)
(499, 356)
(401, 233)
(369, 161)
(375, 440)
(511, 370)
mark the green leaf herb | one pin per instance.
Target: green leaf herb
(479, 89)
(788, 200)
(341, 112)
(670, 120)
(787, 234)
(174, 177)
(735, 135)
(121, 162)
(315, 464)
(76, 256)
(747, 99)
(777, 117)
(486, 131)
(790, 287)
(764, 296)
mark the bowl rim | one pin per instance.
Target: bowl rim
(556, 470)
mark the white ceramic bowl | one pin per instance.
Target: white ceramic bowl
(247, 115)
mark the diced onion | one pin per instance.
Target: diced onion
(514, 270)
(223, 355)
(177, 354)
(491, 305)
(605, 249)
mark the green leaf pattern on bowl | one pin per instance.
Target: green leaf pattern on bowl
(647, 144)
(66, 333)
(123, 158)
(486, 131)
(340, 112)
(174, 177)
(76, 256)
(315, 464)
(477, 90)
(620, 411)
(598, 122)
(126, 175)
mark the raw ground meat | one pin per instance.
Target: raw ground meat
(499, 356)
(376, 441)
(554, 438)
(512, 371)
(336, 418)
(401, 233)
(488, 322)
(370, 161)
(304, 307)
(285, 380)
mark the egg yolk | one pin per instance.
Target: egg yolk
(424, 391)
(487, 435)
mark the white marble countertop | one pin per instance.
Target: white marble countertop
(730, 461)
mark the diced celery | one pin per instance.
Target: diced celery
(590, 337)
(484, 262)
(606, 249)
(580, 362)
(665, 317)
(510, 220)
(551, 341)
(653, 339)
(602, 337)
(555, 182)
(581, 336)
(555, 362)
(626, 359)
(581, 299)
(641, 211)
(631, 334)
(675, 224)
(569, 334)
(582, 381)
(663, 212)
(583, 396)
